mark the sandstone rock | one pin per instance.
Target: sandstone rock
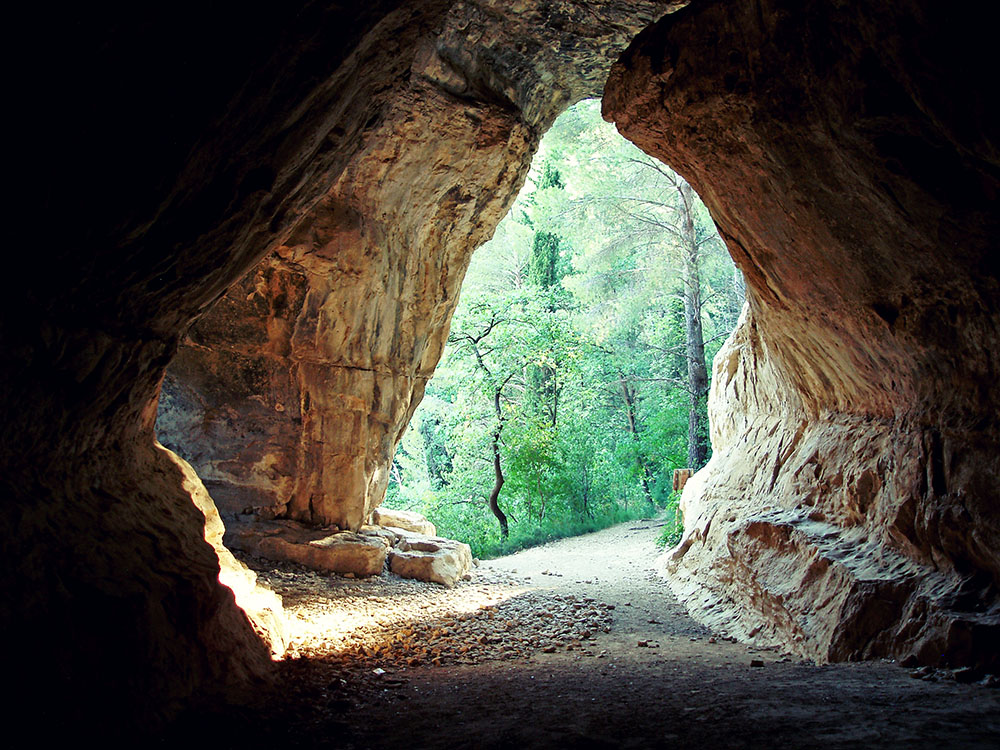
(848, 509)
(426, 558)
(389, 535)
(403, 519)
(341, 552)
(261, 605)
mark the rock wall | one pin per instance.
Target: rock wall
(849, 154)
(164, 152)
(290, 395)
(161, 160)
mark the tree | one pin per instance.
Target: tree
(658, 225)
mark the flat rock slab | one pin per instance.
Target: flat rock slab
(403, 519)
(429, 558)
(319, 549)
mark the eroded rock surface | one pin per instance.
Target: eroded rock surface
(403, 519)
(290, 395)
(850, 161)
(342, 552)
(429, 558)
(163, 159)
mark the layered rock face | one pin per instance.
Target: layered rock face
(849, 155)
(290, 395)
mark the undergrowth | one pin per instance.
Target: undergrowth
(673, 529)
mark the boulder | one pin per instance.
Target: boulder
(339, 552)
(429, 558)
(404, 519)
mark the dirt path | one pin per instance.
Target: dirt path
(577, 644)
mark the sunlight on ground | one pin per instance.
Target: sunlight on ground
(388, 623)
(346, 621)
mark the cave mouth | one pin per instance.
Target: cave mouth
(572, 388)
(573, 384)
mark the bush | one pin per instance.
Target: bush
(673, 530)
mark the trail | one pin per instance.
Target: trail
(518, 657)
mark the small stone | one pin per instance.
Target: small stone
(756, 662)
(966, 675)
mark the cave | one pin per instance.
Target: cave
(239, 169)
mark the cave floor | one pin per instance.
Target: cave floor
(576, 644)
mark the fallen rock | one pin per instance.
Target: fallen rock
(403, 519)
(427, 558)
(341, 552)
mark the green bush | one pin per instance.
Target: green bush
(673, 530)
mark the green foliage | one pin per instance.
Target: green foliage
(673, 528)
(544, 260)
(571, 319)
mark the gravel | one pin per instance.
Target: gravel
(390, 623)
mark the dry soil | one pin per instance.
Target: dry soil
(576, 644)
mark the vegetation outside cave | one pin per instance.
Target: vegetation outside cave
(575, 378)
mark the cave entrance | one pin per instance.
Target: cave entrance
(576, 369)
(574, 381)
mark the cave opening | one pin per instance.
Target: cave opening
(580, 305)
(574, 383)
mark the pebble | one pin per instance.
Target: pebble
(392, 624)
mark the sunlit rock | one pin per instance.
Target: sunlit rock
(428, 558)
(404, 519)
(341, 552)
(261, 605)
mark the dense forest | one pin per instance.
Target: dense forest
(575, 377)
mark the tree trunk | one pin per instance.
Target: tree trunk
(541, 497)
(694, 338)
(497, 486)
(629, 397)
(497, 470)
